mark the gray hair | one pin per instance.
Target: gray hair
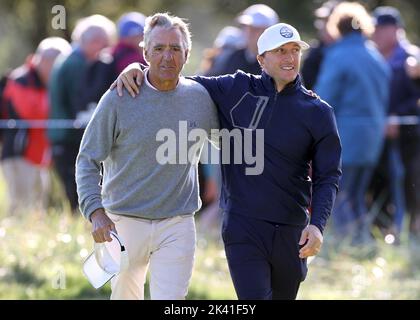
(47, 46)
(165, 20)
(50, 48)
(93, 26)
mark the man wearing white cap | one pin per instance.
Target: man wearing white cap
(253, 21)
(267, 229)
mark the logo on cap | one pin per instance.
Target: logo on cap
(286, 32)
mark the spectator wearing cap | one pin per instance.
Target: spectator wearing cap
(402, 152)
(267, 230)
(354, 79)
(253, 21)
(312, 61)
(130, 35)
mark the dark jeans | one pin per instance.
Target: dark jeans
(64, 157)
(410, 151)
(396, 176)
(350, 213)
(263, 257)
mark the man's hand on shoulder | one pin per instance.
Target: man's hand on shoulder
(131, 78)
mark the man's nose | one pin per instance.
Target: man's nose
(289, 58)
(167, 54)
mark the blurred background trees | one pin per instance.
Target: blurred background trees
(23, 23)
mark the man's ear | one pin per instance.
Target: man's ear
(260, 59)
(186, 55)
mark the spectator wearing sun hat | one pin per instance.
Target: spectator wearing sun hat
(253, 21)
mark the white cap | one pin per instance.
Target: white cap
(106, 260)
(278, 35)
(258, 15)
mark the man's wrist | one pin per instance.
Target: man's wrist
(96, 213)
(318, 227)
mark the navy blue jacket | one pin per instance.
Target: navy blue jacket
(300, 133)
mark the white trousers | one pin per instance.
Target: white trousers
(165, 247)
(28, 185)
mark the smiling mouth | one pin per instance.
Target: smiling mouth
(287, 68)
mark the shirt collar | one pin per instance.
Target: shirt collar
(146, 80)
(150, 85)
(269, 84)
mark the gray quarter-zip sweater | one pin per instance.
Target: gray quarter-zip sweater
(139, 140)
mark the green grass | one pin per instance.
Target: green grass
(379, 271)
(41, 255)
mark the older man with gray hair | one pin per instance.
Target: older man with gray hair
(148, 196)
(90, 36)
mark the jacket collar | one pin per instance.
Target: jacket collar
(291, 87)
(354, 37)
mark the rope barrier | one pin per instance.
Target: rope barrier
(41, 124)
(78, 124)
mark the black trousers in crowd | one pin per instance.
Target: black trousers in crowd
(64, 157)
(410, 152)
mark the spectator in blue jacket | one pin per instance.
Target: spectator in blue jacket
(267, 229)
(355, 79)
